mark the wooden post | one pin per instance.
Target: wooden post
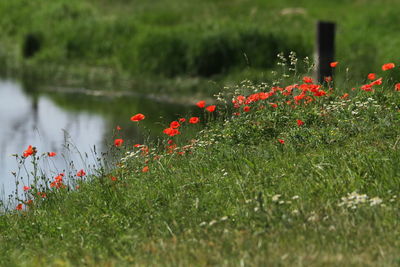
(325, 49)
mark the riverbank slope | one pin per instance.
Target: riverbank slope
(313, 181)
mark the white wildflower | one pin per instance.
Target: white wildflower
(212, 222)
(295, 212)
(313, 217)
(375, 201)
(276, 197)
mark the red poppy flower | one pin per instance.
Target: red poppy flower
(81, 173)
(40, 194)
(137, 145)
(145, 169)
(51, 154)
(299, 97)
(236, 114)
(397, 86)
(201, 104)
(377, 82)
(29, 151)
(300, 122)
(263, 95)
(174, 124)
(320, 93)
(138, 117)
(367, 87)
(346, 95)
(18, 207)
(211, 108)
(170, 142)
(171, 131)
(194, 120)
(182, 120)
(334, 64)
(252, 98)
(328, 79)
(118, 142)
(307, 79)
(281, 141)
(29, 202)
(238, 101)
(53, 184)
(118, 128)
(59, 177)
(388, 66)
(27, 188)
(113, 178)
(371, 76)
(274, 105)
(246, 108)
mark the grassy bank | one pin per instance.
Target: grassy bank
(311, 182)
(138, 41)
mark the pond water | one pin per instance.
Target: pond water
(77, 127)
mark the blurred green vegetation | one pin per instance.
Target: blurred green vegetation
(220, 40)
(117, 110)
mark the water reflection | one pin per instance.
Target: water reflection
(37, 120)
(70, 125)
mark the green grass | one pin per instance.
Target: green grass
(138, 41)
(238, 196)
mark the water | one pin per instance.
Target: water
(70, 125)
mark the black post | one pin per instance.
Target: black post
(325, 49)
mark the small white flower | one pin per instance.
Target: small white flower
(375, 201)
(224, 218)
(313, 217)
(212, 222)
(276, 197)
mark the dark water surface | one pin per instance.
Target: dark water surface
(70, 125)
